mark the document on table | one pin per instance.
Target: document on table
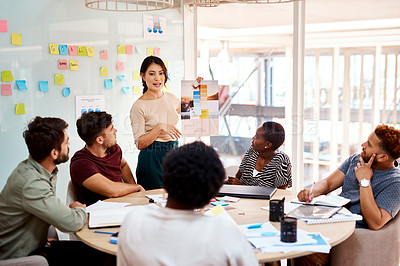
(108, 217)
(101, 205)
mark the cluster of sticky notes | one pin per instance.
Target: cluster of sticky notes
(64, 49)
(153, 51)
(63, 64)
(126, 49)
(16, 38)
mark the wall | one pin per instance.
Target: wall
(70, 22)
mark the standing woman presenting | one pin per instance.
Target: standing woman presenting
(154, 117)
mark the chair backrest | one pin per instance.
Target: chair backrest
(71, 193)
(368, 247)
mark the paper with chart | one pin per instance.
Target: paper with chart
(199, 108)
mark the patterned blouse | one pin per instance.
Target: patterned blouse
(277, 173)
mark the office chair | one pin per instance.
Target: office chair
(369, 247)
(35, 260)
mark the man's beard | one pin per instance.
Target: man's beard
(62, 158)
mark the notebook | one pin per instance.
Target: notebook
(326, 200)
(108, 217)
(242, 191)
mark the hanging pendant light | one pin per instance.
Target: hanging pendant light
(129, 5)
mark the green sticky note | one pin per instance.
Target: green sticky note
(20, 109)
(6, 76)
(121, 49)
(59, 79)
(82, 51)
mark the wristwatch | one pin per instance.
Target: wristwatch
(365, 183)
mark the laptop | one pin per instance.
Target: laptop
(242, 191)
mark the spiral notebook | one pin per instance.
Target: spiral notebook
(341, 216)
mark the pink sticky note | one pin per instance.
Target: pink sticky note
(6, 89)
(3, 26)
(156, 52)
(120, 66)
(129, 49)
(62, 64)
(104, 54)
(72, 50)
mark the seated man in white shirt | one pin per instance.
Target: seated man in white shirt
(176, 235)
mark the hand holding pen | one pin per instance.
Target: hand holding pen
(306, 194)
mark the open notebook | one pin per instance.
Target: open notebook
(326, 200)
(108, 217)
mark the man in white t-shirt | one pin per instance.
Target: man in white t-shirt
(176, 235)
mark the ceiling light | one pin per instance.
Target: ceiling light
(129, 5)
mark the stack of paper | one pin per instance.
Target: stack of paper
(267, 238)
(101, 205)
(108, 217)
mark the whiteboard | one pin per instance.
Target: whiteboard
(69, 22)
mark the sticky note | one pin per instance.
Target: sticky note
(21, 84)
(204, 114)
(120, 66)
(72, 50)
(62, 64)
(73, 65)
(43, 86)
(63, 49)
(6, 76)
(156, 52)
(136, 75)
(104, 54)
(90, 51)
(150, 51)
(108, 83)
(166, 64)
(217, 210)
(121, 77)
(16, 38)
(53, 48)
(166, 87)
(104, 71)
(82, 51)
(126, 90)
(20, 109)
(3, 26)
(59, 79)
(66, 92)
(121, 49)
(6, 90)
(129, 49)
(136, 90)
(136, 50)
(221, 203)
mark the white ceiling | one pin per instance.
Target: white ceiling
(259, 28)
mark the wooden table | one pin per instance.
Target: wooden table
(245, 211)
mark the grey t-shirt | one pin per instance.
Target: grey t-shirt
(385, 186)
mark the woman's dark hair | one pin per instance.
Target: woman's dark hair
(90, 125)
(274, 133)
(193, 174)
(145, 65)
(44, 134)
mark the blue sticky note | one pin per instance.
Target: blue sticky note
(216, 203)
(268, 234)
(66, 92)
(126, 90)
(121, 77)
(108, 83)
(21, 84)
(63, 49)
(254, 226)
(43, 86)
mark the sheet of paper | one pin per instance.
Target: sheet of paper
(89, 103)
(20, 109)
(6, 76)
(63, 49)
(16, 38)
(43, 86)
(21, 84)
(6, 90)
(101, 205)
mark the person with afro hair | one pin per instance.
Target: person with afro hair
(178, 234)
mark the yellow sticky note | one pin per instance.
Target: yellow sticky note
(136, 90)
(59, 79)
(6, 76)
(16, 38)
(104, 71)
(53, 48)
(217, 210)
(204, 114)
(90, 51)
(166, 87)
(150, 51)
(121, 49)
(136, 75)
(82, 51)
(166, 64)
(73, 65)
(20, 109)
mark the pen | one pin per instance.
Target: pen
(103, 232)
(312, 186)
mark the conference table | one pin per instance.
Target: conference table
(245, 211)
